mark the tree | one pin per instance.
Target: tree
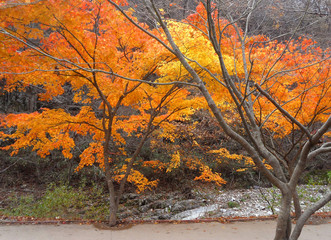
(86, 45)
(278, 91)
(262, 92)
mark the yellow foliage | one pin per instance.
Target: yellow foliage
(174, 162)
(208, 176)
(44, 132)
(92, 154)
(136, 178)
(224, 153)
(154, 164)
(248, 161)
(193, 163)
(299, 81)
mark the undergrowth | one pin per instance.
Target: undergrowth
(63, 202)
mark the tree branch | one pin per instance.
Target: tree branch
(282, 110)
(324, 148)
(304, 217)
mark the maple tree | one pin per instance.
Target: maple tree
(88, 45)
(275, 91)
(262, 92)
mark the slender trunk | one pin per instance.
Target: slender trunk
(113, 207)
(70, 163)
(283, 230)
(296, 199)
(296, 203)
(130, 166)
(112, 197)
(109, 179)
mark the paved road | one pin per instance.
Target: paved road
(191, 231)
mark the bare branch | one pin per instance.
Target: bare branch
(283, 111)
(2, 171)
(323, 149)
(140, 27)
(304, 217)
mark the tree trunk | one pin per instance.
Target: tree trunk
(112, 206)
(112, 198)
(283, 230)
(304, 217)
(296, 203)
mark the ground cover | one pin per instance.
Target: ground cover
(203, 202)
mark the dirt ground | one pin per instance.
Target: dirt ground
(193, 231)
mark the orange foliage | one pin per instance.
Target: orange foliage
(208, 176)
(154, 164)
(87, 44)
(137, 178)
(295, 73)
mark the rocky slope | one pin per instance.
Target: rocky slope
(203, 203)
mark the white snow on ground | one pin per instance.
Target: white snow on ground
(253, 202)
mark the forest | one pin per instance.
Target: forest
(106, 101)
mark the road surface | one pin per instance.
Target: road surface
(185, 231)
